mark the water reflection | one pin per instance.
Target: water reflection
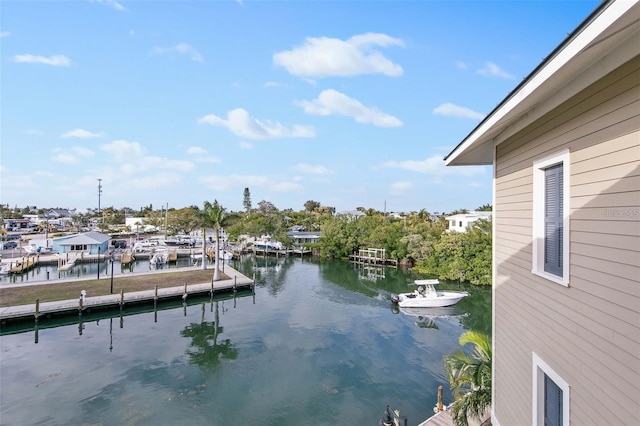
(205, 351)
(318, 344)
(426, 317)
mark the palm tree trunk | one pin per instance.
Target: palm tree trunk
(204, 249)
(216, 270)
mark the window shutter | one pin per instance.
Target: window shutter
(552, 403)
(553, 195)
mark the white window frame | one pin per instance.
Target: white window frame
(540, 369)
(539, 168)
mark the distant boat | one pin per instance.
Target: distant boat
(159, 258)
(266, 243)
(222, 254)
(180, 241)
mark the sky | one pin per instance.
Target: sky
(347, 103)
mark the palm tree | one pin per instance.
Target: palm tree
(470, 377)
(213, 215)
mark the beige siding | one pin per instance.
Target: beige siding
(589, 333)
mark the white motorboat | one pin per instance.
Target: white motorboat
(159, 258)
(222, 254)
(426, 296)
(265, 243)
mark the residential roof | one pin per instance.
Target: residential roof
(608, 37)
(470, 215)
(81, 239)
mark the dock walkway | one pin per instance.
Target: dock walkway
(236, 282)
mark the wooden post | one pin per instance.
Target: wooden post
(37, 314)
(439, 407)
(121, 299)
(80, 305)
(155, 295)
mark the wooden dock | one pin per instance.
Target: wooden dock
(23, 265)
(373, 256)
(31, 312)
(296, 251)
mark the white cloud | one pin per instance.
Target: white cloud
(491, 69)
(275, 84)
(132, 160)
(124, 151)
(433, 166)
(196, 150)
(166, 163)
(400, 187)
(182, 49)
(245, 145)
(233, 182)
(331, 102)
(311, 169)
(158, 181)
(201, 155)
(323, 57)
(34, 132)
(55, 60)
(4, 34)
(111, 3)
(286, 187)
(65, 158)
(461, 65)
(81, 133)
(240, 123)
(451, 110)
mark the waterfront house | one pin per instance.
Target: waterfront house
(461, 222)
(565, 151)
(301, 238)
(88, 242)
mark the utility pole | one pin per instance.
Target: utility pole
(166, 215)
(99, 193)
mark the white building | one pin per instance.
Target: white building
(461, 222)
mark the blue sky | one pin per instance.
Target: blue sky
(352, 104)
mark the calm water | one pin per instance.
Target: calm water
(318, 344)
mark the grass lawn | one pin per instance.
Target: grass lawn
(71, 289)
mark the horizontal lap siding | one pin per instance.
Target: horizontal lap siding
(590, 332)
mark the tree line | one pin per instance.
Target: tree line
(416, 239)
